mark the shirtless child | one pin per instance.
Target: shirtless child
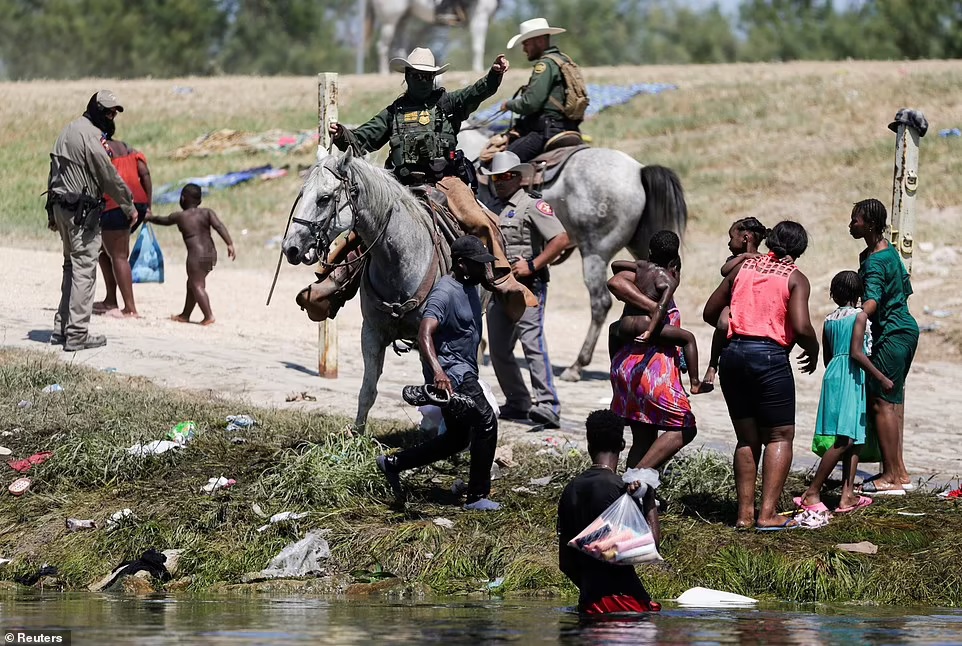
(656, 279)
(195, 224)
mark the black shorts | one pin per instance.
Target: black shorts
(115, 220)
(757, 381)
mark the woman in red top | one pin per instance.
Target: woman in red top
(115, 252)
(768, 296)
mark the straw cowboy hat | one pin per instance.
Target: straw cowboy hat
(421, 59)
(507, 162)
(532, 29)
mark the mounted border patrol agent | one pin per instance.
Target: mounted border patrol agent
(534, 238)
(554, 100)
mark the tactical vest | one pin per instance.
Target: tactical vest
(423, 141)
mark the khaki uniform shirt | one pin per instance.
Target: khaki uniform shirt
(528, 224)
(80, 160)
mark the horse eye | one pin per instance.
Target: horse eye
(323, 199)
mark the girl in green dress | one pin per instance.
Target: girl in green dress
(895, 336)
(841, 407)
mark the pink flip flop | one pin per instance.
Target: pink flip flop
(19, 486)
(818, 508)
(863, 501)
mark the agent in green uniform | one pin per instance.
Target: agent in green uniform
(895, 337)
(541, 102)
(534, 238)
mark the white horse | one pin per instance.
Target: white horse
(607, 202)
(387, 14)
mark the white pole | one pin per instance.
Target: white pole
(326, 114)
(361, 37)
(904, 186)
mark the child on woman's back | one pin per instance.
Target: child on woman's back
(744, 237)
(841, 407)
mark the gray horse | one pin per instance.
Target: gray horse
(399, 239)
(607, 202)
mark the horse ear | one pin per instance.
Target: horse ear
(345, 161)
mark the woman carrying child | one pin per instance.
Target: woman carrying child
(841, 407)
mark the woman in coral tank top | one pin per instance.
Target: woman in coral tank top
(768, 296)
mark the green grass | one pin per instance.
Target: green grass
(309, 462)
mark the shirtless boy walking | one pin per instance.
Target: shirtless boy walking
(195, 224)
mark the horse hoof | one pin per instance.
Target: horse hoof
(571, 373)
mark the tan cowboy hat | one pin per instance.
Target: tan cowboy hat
(507, 162)
(532, 29)
(421, 59)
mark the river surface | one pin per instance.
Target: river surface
(108, 619)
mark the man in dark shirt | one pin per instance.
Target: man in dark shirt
(448, 337)
(604, 587)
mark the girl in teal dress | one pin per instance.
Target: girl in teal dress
(840, 423)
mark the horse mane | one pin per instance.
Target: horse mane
(382, 192)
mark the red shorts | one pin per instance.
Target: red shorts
(620, 603)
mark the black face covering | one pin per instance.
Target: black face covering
(98, 116)
(419, 89)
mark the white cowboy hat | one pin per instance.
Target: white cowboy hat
(533, 28)
(421, 59)
(506, 162)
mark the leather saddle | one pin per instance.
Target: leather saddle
(557, 152)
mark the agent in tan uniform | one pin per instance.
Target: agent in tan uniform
(80, 173)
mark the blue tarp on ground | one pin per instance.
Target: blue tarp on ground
(170, 193)
(602, 97)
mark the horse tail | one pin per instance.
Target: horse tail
(665, 207)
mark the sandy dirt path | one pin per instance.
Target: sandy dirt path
(262, 354)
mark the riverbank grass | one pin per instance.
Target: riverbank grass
(303, 461)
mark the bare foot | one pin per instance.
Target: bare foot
(114, 313)
(710, 376)
(179, 318)
(102, 306)
(130, 314)
(209, 321)
(776, 521)
(701, 387)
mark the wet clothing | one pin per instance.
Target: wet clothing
(582, 501)
(115, 220)
(457, 309)
(540, 106)
(422, 134)
(895, 332)
(79, 163)
(127, 168)
(646, 383)
(527, 225)
(757, 382)
(759, 302)
(841, 407)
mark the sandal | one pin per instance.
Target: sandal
(863, 501)
(19, 486)
(888, 489)
(817, 508)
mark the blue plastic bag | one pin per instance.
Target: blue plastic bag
(147, 260)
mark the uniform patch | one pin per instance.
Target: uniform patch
(511, 213)
(424, 118)
(544, 207)
(540, 67)
(410, 117)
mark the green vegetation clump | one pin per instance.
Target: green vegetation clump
(309, 462)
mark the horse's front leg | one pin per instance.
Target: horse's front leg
(595, 273)
(372, 350)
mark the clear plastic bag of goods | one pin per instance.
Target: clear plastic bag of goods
(620, 535)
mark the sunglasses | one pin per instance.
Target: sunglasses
(421, 76)
(501, 177)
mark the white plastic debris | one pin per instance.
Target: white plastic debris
(53, 388)
(444, 522)
(257, 510)
(213, 484)
(540, 482)
(121, 517)
(301, 558)
(708, 598)
(24, 404)
(240, 422)
(280, 518)
(155, 447)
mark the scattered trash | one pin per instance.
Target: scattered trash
(110, 370)
(156, 447)
(183, 432)
(182, 89)
(5, 451)
(11, 433)
(302, 396)
(244, 232)
(540, 482)
(504, 457)
(170, 193)
(939, 314)
(863, 547)
(226, 141)
(77, 525)
(52, 388)
(152, 562)
(213, 484)
(950, 132)
(280, 518)
(496, 583)
(552, 452)
(238, 440)
(524, 490)
(24, 404)
(239, 422)
(910, 513)
(19, 486)
(708, 598)
(257, 510)
(444, 522)
(495, 471)
(22, 466)
(121, 517)
(935, 326)
(299, 559)
(4, 562)
(950, 495)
